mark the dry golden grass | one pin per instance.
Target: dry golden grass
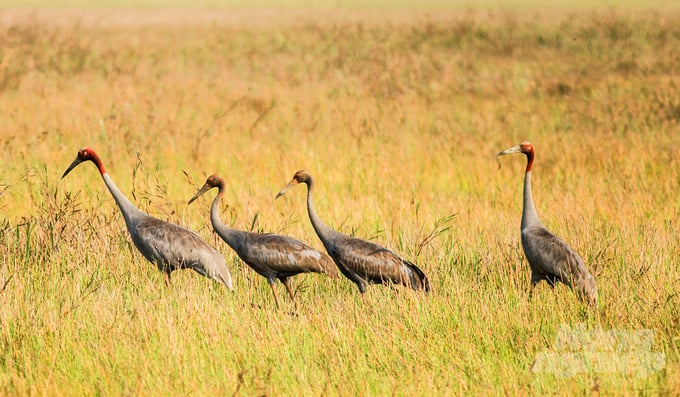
(399, 122)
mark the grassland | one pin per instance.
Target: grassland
(398, 116)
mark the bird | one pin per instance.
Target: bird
(271, 255)
(361, 261)
(550, 258)
(166, 245)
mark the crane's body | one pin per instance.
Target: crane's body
(166, 245)
(361, 261)
(550, 258)
(272, 256)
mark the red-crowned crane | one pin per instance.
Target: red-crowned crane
(168, 246)
(271, 255)
(361, 261)
(549, 257)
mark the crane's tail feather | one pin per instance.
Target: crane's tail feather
(221, 276)
(329, 268)
(226, 280)
(422, 278)
(586, 289)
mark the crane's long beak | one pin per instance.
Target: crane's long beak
(204, 189)
(283, 191)
(514, 149)
(72, 166)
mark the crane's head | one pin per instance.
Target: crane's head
(300, 177)
(212, 182)
(524, 147)
(85, 154)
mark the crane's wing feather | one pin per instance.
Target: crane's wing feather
(553, 259)
(376, 264)
(421, 281)
(170, 245)
(283, 256)
(550, 256)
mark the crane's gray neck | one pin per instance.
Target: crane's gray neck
(229, 235)
(324, 232)
(130, 212)
(529, 214)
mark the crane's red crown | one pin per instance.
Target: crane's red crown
(526, 147)
(85, 154)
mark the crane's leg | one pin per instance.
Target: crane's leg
(286, 282)
(272, 283)
(361, 286)
(362, 289)
(167, 278)
(535, 278)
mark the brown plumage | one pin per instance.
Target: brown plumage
(361, 261)
(271, 255)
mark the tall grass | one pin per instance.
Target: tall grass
(398, 123)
